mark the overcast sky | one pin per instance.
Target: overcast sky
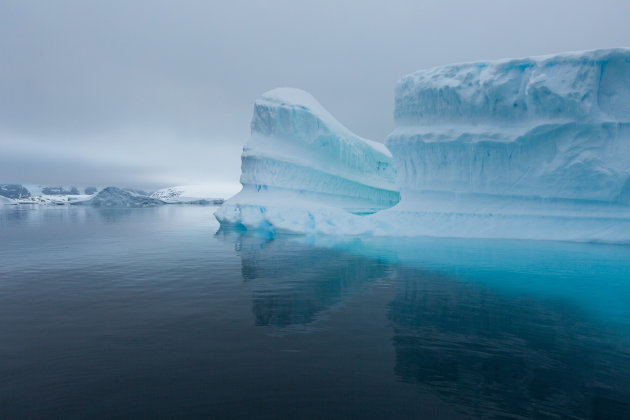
(157, 93)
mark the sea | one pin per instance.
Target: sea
(161, 313)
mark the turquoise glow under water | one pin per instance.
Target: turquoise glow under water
(159, 313)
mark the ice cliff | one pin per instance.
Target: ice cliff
(532, 148)
(555, 126)
(300, 157)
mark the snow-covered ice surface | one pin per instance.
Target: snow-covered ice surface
(300, 157)
(533, 148)
(40, 194)
(115, 197)
(554, 126)
(195, 194)
(59, 200)
(6, 201)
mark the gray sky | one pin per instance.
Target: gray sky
(156, 93)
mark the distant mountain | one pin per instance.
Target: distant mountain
(137, 191)
(60, 191)
(116, 197)
(14, 191)
(108, 197)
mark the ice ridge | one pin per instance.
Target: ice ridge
(554, 126)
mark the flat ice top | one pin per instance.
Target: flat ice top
(587, 55)
(6, 200)
(298, 98)
(213, 190)
(577, 86)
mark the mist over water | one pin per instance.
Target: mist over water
(157, 312)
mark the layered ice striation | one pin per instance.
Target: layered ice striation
(300, 157)
(535, 148)
(554, 126)
(532, 148)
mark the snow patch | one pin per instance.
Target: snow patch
(195, 194)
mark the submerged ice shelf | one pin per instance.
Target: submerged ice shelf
(535, 148)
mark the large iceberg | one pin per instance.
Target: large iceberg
(556, 126)
(532, 148)
(300, 159)
(526, 148)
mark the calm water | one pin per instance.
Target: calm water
(154, 313)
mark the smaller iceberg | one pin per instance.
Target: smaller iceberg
(115, 197)
(300, 165)
(6, 201)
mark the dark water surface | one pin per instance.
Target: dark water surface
(154, 313)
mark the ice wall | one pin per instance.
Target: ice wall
(554, 126)
(300, 156)
(534, 148)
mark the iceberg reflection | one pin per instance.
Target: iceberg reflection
(490, 327)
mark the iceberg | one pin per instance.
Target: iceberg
(534, 148)
(300, 158)
(7, 201)
(555, 126)
(531, 148)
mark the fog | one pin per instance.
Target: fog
(159, 93)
